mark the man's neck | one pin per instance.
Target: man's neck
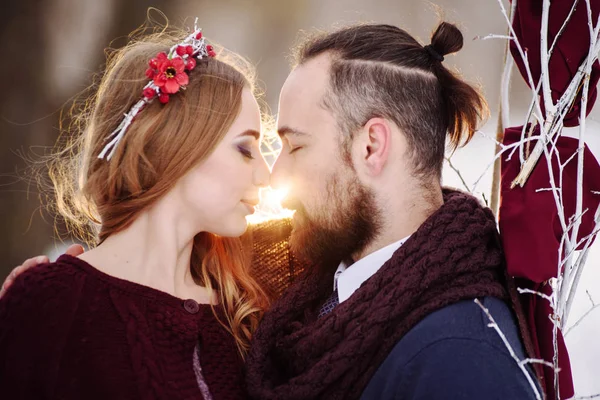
(401, 220)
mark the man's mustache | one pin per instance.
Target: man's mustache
(293, 204)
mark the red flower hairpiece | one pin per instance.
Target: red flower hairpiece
(168, 73)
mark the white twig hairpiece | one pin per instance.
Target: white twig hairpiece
(167, 74)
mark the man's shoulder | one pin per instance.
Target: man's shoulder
(463, 320)
(453, 349)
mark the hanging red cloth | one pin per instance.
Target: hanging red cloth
(528, 219)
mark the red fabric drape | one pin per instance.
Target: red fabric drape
(531, 233)
(528, 219)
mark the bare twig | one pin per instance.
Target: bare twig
(569, 295)
(593, 396)
(536, 361)
(566, 99)
(511, 351)
(545, 61)
(456, 170)
(581, 319)
(505, 148)
(562, 28)
(542, 295)
(493, 36)
(503, 116)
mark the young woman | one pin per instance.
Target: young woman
(163, 307)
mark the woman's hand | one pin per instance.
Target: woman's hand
(73, 250)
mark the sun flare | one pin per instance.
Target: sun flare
(270, 206)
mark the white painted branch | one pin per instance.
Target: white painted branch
(527, 121)
(581, 319)
(587, 237)
(562, 28)
(542, 295)
(565, 101)
(546, 189)
(522, 53)
(567, 294)
(579, 187)
(556, 194)
(570, 294)
(511, 351)
(537, 361)
(545, 62)
(505, 148)
(593, 396)
(448, 159)
(579, 149)
(494, 36)
(505, 85)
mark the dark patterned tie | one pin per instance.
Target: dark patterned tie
(329, 304)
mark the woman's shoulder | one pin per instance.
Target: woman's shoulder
(42, 291)
(37, 315)
(53, 275)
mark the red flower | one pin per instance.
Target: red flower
(191, 64)
(210, 51)
(199, 35)
(171, 75)
(149, 93)
(163, 98)
(189, 49)
(154, 62)
(150, 72)
(181, 50)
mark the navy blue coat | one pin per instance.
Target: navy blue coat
(453, 354)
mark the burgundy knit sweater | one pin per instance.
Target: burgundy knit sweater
(69, 331)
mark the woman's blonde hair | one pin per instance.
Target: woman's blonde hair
(98, 198)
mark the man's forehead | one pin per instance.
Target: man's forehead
(301, 97)
(311, 75)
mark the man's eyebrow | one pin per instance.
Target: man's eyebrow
(286, 130)
(251, 132)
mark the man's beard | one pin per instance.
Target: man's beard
(344, 224)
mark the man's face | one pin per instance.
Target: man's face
(336, 214)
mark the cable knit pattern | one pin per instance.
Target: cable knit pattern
(454, 255)
(69, 331)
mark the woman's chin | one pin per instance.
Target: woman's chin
(233, 228)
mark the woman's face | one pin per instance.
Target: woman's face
(217, 194)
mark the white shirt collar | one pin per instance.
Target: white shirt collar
(347, 280)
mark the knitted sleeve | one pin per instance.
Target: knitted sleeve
(36, 314)
(273, 265)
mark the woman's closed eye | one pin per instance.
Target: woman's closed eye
(246, 152)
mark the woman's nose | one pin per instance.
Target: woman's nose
(262, 175)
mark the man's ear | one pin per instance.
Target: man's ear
(375, 145)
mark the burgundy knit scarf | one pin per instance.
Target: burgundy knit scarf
(454, 255)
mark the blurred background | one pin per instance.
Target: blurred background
(53, 47)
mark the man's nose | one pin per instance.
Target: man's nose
(280, 172)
